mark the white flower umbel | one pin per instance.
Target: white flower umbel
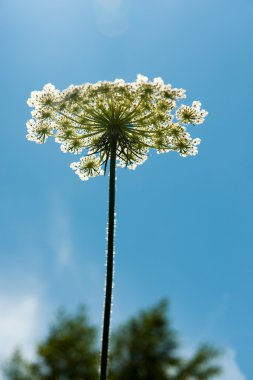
(115, 122)
(87, 167)
(139, 116)
(191, 115)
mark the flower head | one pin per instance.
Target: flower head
(131, 118)
(87, 167)
(191, 115)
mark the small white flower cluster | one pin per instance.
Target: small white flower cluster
(131, 117)
(38, 132)
(191, 115)
(45, 98)
(87, 167)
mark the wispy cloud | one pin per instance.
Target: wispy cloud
(62, 240)
(231, 369)
(61, 233)
(19, 316)
(228, 362)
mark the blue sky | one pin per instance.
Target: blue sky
(184, 225)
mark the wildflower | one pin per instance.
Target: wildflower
(118, 122)
(191, 115)
(87, 167)
(132, 117)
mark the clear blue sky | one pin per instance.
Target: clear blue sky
(184, 225)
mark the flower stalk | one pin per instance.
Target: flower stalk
(118, 123)
(109, 264)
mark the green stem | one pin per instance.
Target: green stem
(109, 268)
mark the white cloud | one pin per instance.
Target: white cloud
(61, 233)
(228, 363)
(18, 323)
(62, 240)
(231, 370)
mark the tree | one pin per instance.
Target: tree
(200, 367)
(144, 348)
(69, 352)
(17, 368)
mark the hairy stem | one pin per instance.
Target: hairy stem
(109, 267)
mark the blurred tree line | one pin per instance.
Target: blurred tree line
(144, 348)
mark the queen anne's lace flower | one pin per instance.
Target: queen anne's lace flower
(191, 115)
(87, 167)
(131, 117)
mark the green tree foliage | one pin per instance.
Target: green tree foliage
(200, 367)
(69, 352)
(17, 368)
(145, 348)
